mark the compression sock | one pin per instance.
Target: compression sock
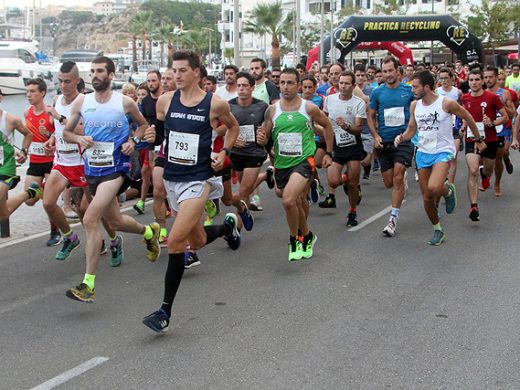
(437, 227)
(172, 280)
(89, 280)
(216, 231)
(395, 212)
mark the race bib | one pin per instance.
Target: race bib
(481, 131)
(183, 148)
(428, 141)
(1, 155)
(247, 133)
(290, 144)
(394, 116)
(36, 149)
(101, 155)
(343, 138)
(65, 147)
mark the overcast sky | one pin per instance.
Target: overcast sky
(29, 3)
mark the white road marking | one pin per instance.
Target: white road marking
(374, 217)
(72, 373)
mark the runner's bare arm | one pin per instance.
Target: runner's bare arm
(321, 119)
(16, 123)
(162, 105)
(451, 106)
(143, 130)
(72, 122)
(371, 121)
(516, 131)
(411, 129)
(268, 121)
(508, 104)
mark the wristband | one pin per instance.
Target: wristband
(329, 154)
(62, 118)
(227, 150)
(24, 151)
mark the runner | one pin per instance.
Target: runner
(391, 103)
(347, 113)
(483, 107)
(229, 90)
(324, 80)
(430, 116)
(513, 80)
(188, 173)
(289, 122)
(41, 126)
(8, 159)
(108, 146)
(275, 77)
(503, 131)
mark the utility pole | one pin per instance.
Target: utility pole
(322, 33)
(332, 46)
(236, 33)
(298, 32)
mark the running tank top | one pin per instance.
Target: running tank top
(41, 129)
(7, 161)
(106, 123)
(188, 140)
(66, 154)
(434, 128)
(293, 135)
(509, 123)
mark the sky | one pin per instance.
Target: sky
(29, 3)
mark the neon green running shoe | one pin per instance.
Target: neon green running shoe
(210, 208)
(82, 293)
(295, 251)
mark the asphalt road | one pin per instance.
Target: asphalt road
(366, 312)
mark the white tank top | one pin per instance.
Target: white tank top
(434, 128)
(453, 93)
(7, 136)
(67, 154)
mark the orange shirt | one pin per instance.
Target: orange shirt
(41, 128)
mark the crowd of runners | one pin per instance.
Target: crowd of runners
(197, 148)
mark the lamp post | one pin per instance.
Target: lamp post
(298, 31)
(209, 30)
(322, 33)
(236, 33)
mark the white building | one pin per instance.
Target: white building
(104, 8)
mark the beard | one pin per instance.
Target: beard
(101, 85)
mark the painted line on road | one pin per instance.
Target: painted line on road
(38, 235)
(373, 218)
(72, 373)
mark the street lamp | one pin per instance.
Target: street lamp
(210, 30)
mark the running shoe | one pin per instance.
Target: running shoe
(485, 180)
(234, 177)
(351, 219)
(321, 190)
(163, 241)
(208, 221)
(295, 251)
(233, 238)
(366, 172)
(55, 238)
(210, 208)
(438, 238)
(308, 246)
(82, 293)
(315, 196)
(191, 260)
(328, 203)
(375, 166)
(104, 249)
(35, 192)
(116, 252)
(158, 321)
(254, 204)
(508, 164)
(451, 198)
(389, 229)
(247, 218)
(269, 177)
(139, 206)
(474, 214)
(153, 249)
(68, 247)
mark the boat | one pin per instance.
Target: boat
(19, 63)
(83, 59)
(143, 67)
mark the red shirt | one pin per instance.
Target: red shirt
(489, 103)
(41, 129)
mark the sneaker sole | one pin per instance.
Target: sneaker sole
(74, 297)
(195, 264)
(56, 243)
(156, 330)
(388, 234)
(437, 243)
(66, 257)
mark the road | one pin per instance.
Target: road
(366, 312)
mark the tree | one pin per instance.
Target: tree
(164, 35)
(267, 18)
(195, 40)
(134, 30)
(490, 23)
(142, 21)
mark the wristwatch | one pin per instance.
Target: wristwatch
(136, 140)
(480, 140)
(329, 154)
(62, 118)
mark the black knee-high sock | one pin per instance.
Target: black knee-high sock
(216, 231)
(172, 280)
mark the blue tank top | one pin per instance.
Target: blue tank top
(188, 141)
(106, 123)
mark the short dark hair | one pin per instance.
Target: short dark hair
(373, 67)
(81, 85)
(515, 64)
(359, 68)
(292, 71)
(324, 67)
(350, 74)
(109, 64)
(212, 79)
(262, 62)
(69, 67)
(310, 78)
(446, 70)
(301, 66)
(276, 70)
(203, 71)
(250, 79)
(493, 69)
(188, 55)
(476, 71)
(425, 77)
(391, 59)
(42, 86)
(143, 86)
(156, 72)
(337, 64)
(230, 66)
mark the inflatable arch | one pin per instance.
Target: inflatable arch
(357, 29)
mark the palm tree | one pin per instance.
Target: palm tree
(195, 40)
(134, 30)
(142, 21)
(164, 35)
(267, 19)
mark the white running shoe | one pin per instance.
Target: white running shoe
(389, 229)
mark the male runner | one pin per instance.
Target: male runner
(391, 103)
(347, 114)
(8, 159)
(504, 131)
(366, 136)
(188, 172)
(430, 116)
(324, 80)
(289, 122)
(275, 77)
(483, 107)
(513, 80)
(41, 126)
(228, 91)
(108, 147)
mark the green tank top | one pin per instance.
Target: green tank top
(7, 161)
(293, 135)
